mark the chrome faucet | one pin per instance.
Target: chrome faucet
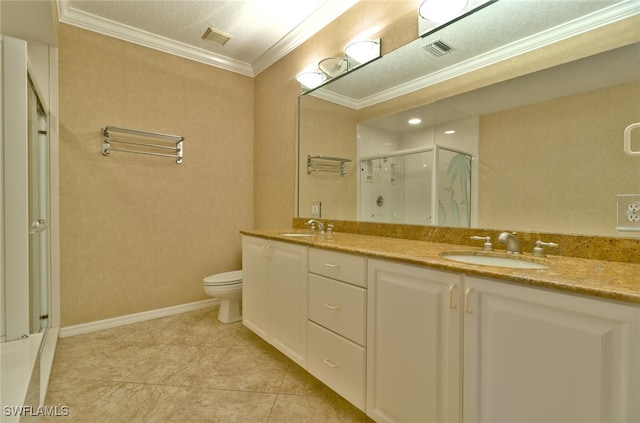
(313, 222)
(513, 245)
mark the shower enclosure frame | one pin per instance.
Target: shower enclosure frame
(28, 342)
(435, 179)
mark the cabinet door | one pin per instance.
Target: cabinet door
(538, 356)
(255, 293)
(413, 344)
(288, 300)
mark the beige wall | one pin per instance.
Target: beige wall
(558, 165)
(276, 90)
(140, 232)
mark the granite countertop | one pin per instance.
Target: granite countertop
(599, 278)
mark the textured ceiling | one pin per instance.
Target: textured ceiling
(262, 31)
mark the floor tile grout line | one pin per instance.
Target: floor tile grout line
(240, 339)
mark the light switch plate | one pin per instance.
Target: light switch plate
(628, 212)
(316, 209)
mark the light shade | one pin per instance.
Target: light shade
(311, 79)
(441, 11)
(333, 66)
(363, 51)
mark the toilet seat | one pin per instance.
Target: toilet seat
(227, 278)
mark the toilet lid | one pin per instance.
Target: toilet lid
(226, 278)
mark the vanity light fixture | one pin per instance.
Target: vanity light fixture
(362, 51)
(333, 66)
(414, 121)
(357, 53)
(441, 11)
(311, 79)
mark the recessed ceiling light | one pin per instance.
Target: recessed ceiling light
(449, 132)
(216, 36)
(414, 121)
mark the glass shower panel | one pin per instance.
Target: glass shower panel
(454, 188)
(39, 229)
(418, 177)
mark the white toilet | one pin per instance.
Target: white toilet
(228, 287)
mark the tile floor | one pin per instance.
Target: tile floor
(186, 368)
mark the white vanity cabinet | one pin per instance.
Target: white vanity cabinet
(409, 343)
(337, 322)
(413, 344)
(444, 347)
(533, 355)
(274, 294)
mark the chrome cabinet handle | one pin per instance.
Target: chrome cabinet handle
(333, 266)
(331, 306)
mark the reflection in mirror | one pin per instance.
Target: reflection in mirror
(423, 187)
(549, 155)
(496, 32)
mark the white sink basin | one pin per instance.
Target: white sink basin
(513, 262)
(298, 234)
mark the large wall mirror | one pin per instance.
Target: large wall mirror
(542, 151)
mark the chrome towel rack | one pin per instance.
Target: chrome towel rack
(138, 138)
(326, 164)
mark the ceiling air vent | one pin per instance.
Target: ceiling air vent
(438, 48)
(216, 36)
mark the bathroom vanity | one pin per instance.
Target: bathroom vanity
(407, 335)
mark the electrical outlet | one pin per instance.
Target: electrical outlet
(633, 217)
(633, 207)
(629, 212)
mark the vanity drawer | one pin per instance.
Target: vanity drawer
(338, 362)
(344, 267)
(338, 306)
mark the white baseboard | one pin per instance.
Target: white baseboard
(135, 318)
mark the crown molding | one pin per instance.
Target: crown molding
(329, 11)
(88, 21)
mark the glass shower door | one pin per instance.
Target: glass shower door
(39, 228)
